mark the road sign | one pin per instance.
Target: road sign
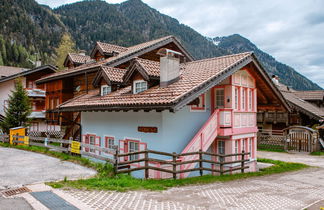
(75, 147)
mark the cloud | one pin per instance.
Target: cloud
(291, 31)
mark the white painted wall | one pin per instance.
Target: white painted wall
(175, 130)
(5, 91)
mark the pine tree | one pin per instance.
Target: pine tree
(18, 110)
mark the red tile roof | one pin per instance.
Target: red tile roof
(113, 74)
(193, 75)
(78, 58)
(152, 68)
(110, 48)
(127, 55)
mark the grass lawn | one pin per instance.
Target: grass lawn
(271, 148)
(126, 182)
(319, 153)
(105, 180)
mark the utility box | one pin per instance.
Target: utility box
(18, 131)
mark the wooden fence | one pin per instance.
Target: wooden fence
(271, 139)
(61, 145)
(176, 161)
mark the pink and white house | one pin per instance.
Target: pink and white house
(169, 102)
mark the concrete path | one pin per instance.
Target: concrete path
(18, 168)
(294, 190)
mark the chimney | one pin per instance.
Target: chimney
(169, 66)
(82, 52)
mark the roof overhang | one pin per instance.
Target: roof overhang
(186, 98)
(28, 72)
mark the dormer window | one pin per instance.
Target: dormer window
(105, 89)
(139, 86)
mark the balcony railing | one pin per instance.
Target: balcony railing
(37, 114)
(36, 92)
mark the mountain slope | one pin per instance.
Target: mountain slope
(237, 44)
(35, 28)
(31, 25)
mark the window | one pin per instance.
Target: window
(139, 86)
(236, 98)
(133, 147)
(105, 89)
(34, 126)
(201, 105)
(92, 140)
(236, 149)
(221, 149)
(220, 98)
(250, 147)
(250, 99)
(243, 98)
(109, 142)
(243, 146)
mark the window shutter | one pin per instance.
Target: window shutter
(83, 141)
(142, 146)
(87, 141)
(122, 149)
(98, 144)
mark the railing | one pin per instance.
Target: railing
(215, 166)
(61, 145)
(271, 139)
(225, 117)
(202, 140)
(36, 92)
(37, 114)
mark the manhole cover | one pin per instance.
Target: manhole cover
(11, 192)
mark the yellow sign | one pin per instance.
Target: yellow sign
(75, 147)
(19, 131)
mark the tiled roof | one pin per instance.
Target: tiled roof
(6, 71)
(77, 58)
(311, 95)
(110, 48)
(152, 68)
(109, 61)
(114, 74)
(193, 76)
(302, 105)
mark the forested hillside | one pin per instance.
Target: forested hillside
(36, 31)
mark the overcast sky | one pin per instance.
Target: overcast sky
(292, 31)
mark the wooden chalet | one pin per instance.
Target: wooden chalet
(73, 60)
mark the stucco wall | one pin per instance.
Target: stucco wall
(5, 91)
(175, 130)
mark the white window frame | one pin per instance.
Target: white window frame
(250, 97)
(133, 157)
(216, 99)
(221, 149)
(236, 98)
(243, 99)
(94, 143)
(250, 146)
(141, 89)
(236, 150)
(108, 90)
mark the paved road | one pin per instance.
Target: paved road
(18, 167)
(294, 190)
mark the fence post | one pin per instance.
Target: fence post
(221, 164)
(146, 165)
(200, 162)
(174, 161)
(243, 161)
(116, 160)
